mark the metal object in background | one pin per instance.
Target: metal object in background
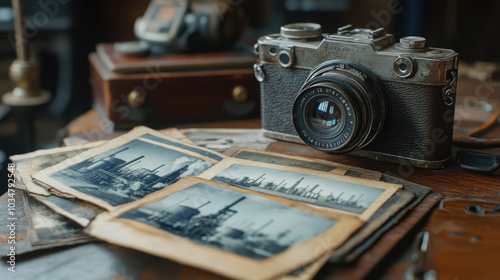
(22, 71)
(192, 25)
(318, 5)
(419, 258)
(26, 96)
(477, 161)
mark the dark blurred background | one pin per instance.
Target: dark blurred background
(64, 32)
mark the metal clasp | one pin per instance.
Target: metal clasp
(449, 91)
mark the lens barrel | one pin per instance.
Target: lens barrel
(340, 107)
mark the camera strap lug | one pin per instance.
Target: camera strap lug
(449, 91)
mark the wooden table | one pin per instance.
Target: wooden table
(451, 181)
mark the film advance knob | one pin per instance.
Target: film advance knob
(301, 30)
(412, 42)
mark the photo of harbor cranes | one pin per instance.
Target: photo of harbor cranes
(345, 196)
(130, 172)
(240, 223)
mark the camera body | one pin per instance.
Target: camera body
(358, 91)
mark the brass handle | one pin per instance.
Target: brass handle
(136, 98)
(240, 93)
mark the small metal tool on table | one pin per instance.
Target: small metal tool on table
(419, 258)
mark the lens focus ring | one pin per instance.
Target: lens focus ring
(340, 107)
(325, 118)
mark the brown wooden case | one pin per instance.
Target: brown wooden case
(174, 87)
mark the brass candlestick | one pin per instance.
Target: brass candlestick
(23, 71)
(26, 97)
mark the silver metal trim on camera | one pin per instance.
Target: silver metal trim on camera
(366, 153)
(301, 30)
(403, 75)
(259, 73)
(400, 160)
(412, 42)
(404, 67)
(282, 136)
(376, 49)
(256, 48)
(449, 92)
(285, 57)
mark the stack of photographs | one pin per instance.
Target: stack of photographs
(244, 214)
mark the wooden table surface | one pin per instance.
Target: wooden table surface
(451, 181)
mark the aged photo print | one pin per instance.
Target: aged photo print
(303, 162)
(220, 140)
(127, 168)
(247, 225)
(292, 161)
(351, 195)
(248, 235)
(30, 163)
(49, 227)
(130, 172)
(302, 187)
(79, 211)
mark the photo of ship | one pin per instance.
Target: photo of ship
(345, 196)
(130, 172)
(244, 224)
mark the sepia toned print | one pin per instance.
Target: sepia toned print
(248, 235)
(127, 168)
(351, 195)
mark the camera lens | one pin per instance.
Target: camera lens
(324, 115)
(340, 107)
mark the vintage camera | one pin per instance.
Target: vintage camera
(358, 91)
(191, 25)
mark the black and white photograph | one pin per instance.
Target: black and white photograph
(30, 163)
(302, 187)
(244, 224)
(237, 233)
(203, 152)
(292, 161)
(77, 210)
(356, 196)
(46, 226)
(126, 168)
(222, 139)
(130, 172)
